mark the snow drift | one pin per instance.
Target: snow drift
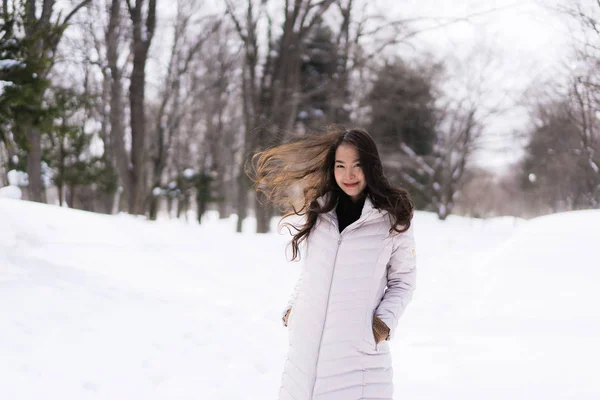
(99, 307)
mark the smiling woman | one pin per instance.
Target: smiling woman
(348, 171)
(360, 267)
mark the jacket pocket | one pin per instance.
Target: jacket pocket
(372, 347)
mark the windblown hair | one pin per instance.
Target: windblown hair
(294, 175)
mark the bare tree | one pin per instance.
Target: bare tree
(143, 18)
(583, 111)
(583, 90)
(248, 33)
(462, 113)
(457, 133)
(560, 167)
(221, 120)
(187, 46)
(271, 99)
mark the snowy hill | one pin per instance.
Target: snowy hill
(114, 307)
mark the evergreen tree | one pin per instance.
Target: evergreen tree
(319, 69)
(29, 44)
(22, 82)
(403, 112)
(67, 147)
(402, 107)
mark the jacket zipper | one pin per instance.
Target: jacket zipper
(326, 310)
(339, 241)
(329, 293)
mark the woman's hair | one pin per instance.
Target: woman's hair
(294, 175)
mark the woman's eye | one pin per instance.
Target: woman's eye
(339, 166)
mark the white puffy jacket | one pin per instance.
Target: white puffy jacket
(346, 279)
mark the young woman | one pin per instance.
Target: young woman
(359, 269)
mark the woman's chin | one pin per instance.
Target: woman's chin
(352, 192)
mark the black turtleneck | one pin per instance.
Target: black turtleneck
(348, 210)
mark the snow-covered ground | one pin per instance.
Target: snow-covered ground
(113, 307)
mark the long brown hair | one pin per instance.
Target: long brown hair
(294, 175)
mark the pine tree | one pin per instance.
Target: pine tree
(402, 107)
(67, 152)
(22, 83)
(319, 71)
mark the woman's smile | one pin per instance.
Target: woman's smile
(347, 166)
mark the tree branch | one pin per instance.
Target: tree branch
(46, 12)
(129, 7)
(74, 11)
(236, 22)
(450, 22)
(150, 22)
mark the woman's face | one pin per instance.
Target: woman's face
(348, 171)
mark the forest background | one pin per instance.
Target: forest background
(479, 108)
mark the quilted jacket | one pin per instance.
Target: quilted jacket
(346, 279)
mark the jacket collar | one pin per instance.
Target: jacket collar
(368, 211)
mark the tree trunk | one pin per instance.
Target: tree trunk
(142, 37)
(153, 209)
(138, 128)
(181, 208)
(170, 206)
(242, 199)
(60, 188)
(72, 196)
(117, 130)
(201, 206)
(223, 198)
(34, 165)
(443, 210)
(264, 212)
(4, 165)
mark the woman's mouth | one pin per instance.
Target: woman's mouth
(351, 185)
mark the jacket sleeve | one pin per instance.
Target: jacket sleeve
(293, 297)
(296, 290)
(401, 280)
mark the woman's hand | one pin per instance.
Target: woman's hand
(380, 330)
(285, 319)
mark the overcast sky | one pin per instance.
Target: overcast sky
(529, 40)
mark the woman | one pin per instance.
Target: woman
(359, 271)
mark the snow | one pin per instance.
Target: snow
(532, 177)
(7, 64)
(189, 173)
(18, 178)
(10, 192)
(4, 84)
(98, 307)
